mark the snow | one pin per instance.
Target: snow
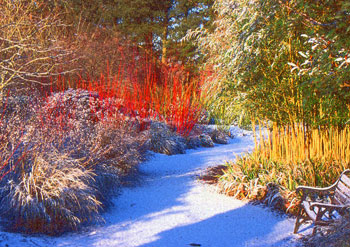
(169, 207)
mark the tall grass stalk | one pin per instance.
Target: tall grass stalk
(288, 156)
(298, 143)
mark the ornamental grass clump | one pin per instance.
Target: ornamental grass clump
(60, 166)
(53, 197)
(119, 144)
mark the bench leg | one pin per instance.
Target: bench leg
(298, 221)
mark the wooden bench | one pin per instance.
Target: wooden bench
(322, 205)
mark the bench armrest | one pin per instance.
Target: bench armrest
(328, 206)
(305, 190)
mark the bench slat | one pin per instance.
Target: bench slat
(345, 179)
(344, 188)
(310, 213)
(336, 201)
(339, 195)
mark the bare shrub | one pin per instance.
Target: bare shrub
(30, 47)
(110, 49)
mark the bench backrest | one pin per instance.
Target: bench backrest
(342, 189)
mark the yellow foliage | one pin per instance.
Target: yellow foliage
(298, 143)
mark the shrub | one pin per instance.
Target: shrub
(30, 47)
(118, 143)
(112, 143)
(162, 93)
(61, 165)
(163, 140)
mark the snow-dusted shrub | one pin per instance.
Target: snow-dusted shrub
(206, 141)
(219, 136)
(111, 143)
(12, 129)
(193, 142)
(21, 106)
(163, 140)
(53, 197)
(77, 105)
(118, 144)
(62, 163)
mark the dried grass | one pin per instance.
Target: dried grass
(52, 198)
(284, 158)
(62, 167)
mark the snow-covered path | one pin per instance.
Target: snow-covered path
(170, 208)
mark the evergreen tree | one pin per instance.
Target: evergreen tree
(160, 25)
(156, 25)
(187, 15)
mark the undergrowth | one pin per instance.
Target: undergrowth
(287, 157)
(65, 151)
(60, 162)
(146, 90)
(334, 235)
(68, 142)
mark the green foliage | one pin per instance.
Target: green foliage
(186, 15)
(259, 47)
(160, 25)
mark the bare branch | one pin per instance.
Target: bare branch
(31, 46)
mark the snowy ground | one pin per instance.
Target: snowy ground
(170, 208)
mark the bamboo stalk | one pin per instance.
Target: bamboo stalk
(297, 143)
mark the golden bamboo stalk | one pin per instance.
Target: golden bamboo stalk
(297, 143)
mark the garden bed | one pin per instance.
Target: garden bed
(64, 156)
